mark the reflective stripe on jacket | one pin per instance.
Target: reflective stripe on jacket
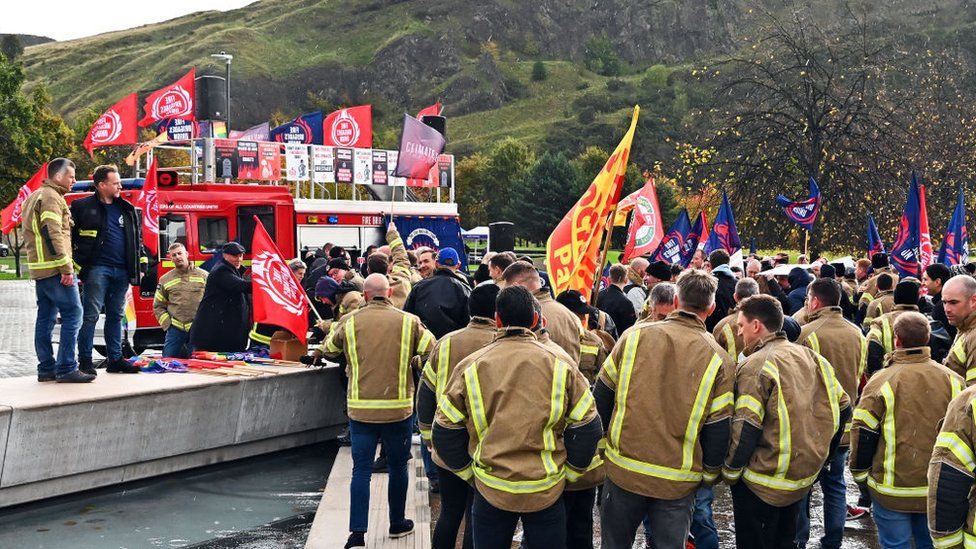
(47, 232)
(962, 355)
(955, 448)
(178, 296)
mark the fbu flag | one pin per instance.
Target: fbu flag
(672, 247)
(904, 252)
(724, 234)
(802, 212)
(875, 245)
(955, 245)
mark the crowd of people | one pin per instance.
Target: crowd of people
(542, 409)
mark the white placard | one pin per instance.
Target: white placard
(323, 164)
(296, 162)
(363, 162)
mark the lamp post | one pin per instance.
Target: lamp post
(227, 59)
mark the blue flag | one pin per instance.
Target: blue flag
(694, 242)
(671, 248)
(802, 212)
(955, 245)
(904, 252)
(306, 129)
(724, 234)
(875, 245)
(434, 231)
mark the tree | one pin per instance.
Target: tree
(601, 57)
(470, 188)
(539, 72)
(11, 46)
(545, 193)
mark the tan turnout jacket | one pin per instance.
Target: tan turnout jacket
(962, 356)
(178, 295)
(47, 225)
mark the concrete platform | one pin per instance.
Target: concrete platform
(331, 525)
(61, 438)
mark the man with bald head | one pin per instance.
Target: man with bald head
(379, 342)
(959, 300)
(563, 326)
(635, 290)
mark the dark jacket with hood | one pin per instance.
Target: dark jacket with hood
(88, 235)
(799, 280)
(441, 302)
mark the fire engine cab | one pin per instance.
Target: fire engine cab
(204, 216)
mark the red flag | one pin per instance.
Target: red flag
(645, 231)
(277, 295)
(352, 127)
(433, 110)
(925, 240)
(11, 214)
(116, 126)
(173, 101)
(147, 201)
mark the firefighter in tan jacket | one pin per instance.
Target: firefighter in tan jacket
(592, 349)
(563, 326)
(869, 288)
(46, 223)
(959, 300)
(790, 413)
(950, 505)
(640, 400)
(521, 422)
(830, 335)
(881, 335)
(444, 358)
(896, 424)
(380, 343)
(392, 261)
(883, 300)
(178, 294)
(726, 332)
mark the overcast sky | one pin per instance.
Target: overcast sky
(67, 19)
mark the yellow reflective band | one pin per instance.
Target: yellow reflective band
(969, 541)
(396, 242)
(520, 486)
(611, 369)
(329, 344)
(38, 247)
(163, 317)
(888, 434)
(184, 326)
(477, 408)
(867, 418)
(863, 364)
(623, 385)
(260, 338)
(709, 477)
(731, 474)
(406, 337)
(650, 469)
(947, 541)
(752, 404)
(425, 434)
(866, 297)
(783, 414)
(353, 355)
(51, 216)
(860, 476)
(76, 266)
(429, 376)
(425, 340)
(959, 448)
(443, 357)
(572, 475)
(814, 342)
(171, 283)
(898, 491)
(89, 233)
(582, 407)
(557, 405)
(888, 338)
(160, 297)
(198, 279)
(970, 374)
(956, 386)
(380, 404)
(450, 411)
(959, 349)
(49, 264)
(589, 349)
(833, 389)
(721, 402)
(698, 411)
(465, 473)
(729, 339)
(780, 482)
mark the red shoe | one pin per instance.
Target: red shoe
(854, 512)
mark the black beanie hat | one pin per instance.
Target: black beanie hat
(879, 260)
(482, 300)
(827, 271)
(906, 292)
(660, 270)
(839, 269)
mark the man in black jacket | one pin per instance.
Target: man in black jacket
(224, 315)
(105, 242)
(934, 277)
(441, 301)
(724, 301)
(613, 301)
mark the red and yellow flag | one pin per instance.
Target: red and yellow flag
(572, 248)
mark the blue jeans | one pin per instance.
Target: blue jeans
(702, 524)
(896, 529)
(430, 468)
(834, 489)
(396, 442)
(176, 344)
(103, 286)
(53, 298)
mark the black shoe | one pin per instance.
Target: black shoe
(405, 528)
(356, 539)
(85, 366)
(380, 465)
(46, 377)
(435, 487)
(344, 439)
(74, 376)
(120, 366)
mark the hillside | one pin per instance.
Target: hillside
(292, 56)
(30, 39)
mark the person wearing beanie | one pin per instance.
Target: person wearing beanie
(659, 271)
(869, 290)
(881, 333)
(884, 302)
(934, 277)
(592, 349)
(455, 492)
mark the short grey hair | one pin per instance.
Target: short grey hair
(696, 290)
(662, 292)
(746, 287)
(296, 264)
(967, 282)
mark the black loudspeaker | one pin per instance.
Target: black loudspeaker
(501, 236)
(167, 178)
(211, 98)
(439, 123)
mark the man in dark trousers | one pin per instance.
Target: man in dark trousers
(105, 242)
(223, 318)
(613, 301)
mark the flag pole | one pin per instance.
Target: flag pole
(603, 255)
(806, 243)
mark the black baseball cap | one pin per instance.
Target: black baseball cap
(574, 301)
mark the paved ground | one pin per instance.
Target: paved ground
(17, 313)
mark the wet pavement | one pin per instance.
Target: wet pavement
(18, 309)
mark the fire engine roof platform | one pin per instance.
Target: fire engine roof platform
(58, 438)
